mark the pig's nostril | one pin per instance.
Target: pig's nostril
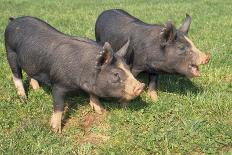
(142, 85)
(207, 60)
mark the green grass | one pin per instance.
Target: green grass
(191, 117)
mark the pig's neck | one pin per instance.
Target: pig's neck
(157, 62)
(88, 82)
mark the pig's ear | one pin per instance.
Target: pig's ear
(167, 34)
(186, 25)
(123, 51)
(105, 56)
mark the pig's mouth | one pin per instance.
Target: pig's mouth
(136, 92)
(194, 69)
(128, 96)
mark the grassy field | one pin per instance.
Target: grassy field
(191, 117)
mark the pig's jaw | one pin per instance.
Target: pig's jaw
(127, 96)
(194, 70)
(189, 71)
(133, 88)
(201, 59)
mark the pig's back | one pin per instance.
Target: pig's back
(114, 22)
(25, 29)
(45, 53)
(74, 61)
(119, 20)
(32, 39)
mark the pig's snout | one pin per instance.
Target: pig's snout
(206, 58)
(138, 89)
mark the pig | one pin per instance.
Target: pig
(67, 63)
(153, 48)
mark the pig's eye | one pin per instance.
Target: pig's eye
(181, 47)
(116, 77)
(181, 52)
(116, 74)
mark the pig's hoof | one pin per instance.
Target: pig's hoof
(96, 105)
(56, 126)
(23, 99)
(34, 83)
(100, 110)
(97, 108)
(21, 93)
(56, 122)
(153, 95)
(22, 96)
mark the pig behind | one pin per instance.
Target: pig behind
(153, 48)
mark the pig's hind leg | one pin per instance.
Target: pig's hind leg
(17, 72)
(96, 105)
(58, 94)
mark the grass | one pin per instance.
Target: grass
(191, 116)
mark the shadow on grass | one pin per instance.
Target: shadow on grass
(75, 99)
(176, 84)
(80, 98)
(167, 83)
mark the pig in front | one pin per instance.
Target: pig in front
(153, 48)
(67, 63)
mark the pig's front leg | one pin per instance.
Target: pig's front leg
(96, 105)
(153, 80)
(58, 94)
(34, 83)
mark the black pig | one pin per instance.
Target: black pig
(67, 63)
(153, 48)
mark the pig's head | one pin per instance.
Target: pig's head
(181, 55)
(114, 78)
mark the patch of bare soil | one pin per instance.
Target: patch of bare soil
(228, 78)
(225, 149)
(88, 122)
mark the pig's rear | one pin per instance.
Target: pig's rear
(32, 42)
